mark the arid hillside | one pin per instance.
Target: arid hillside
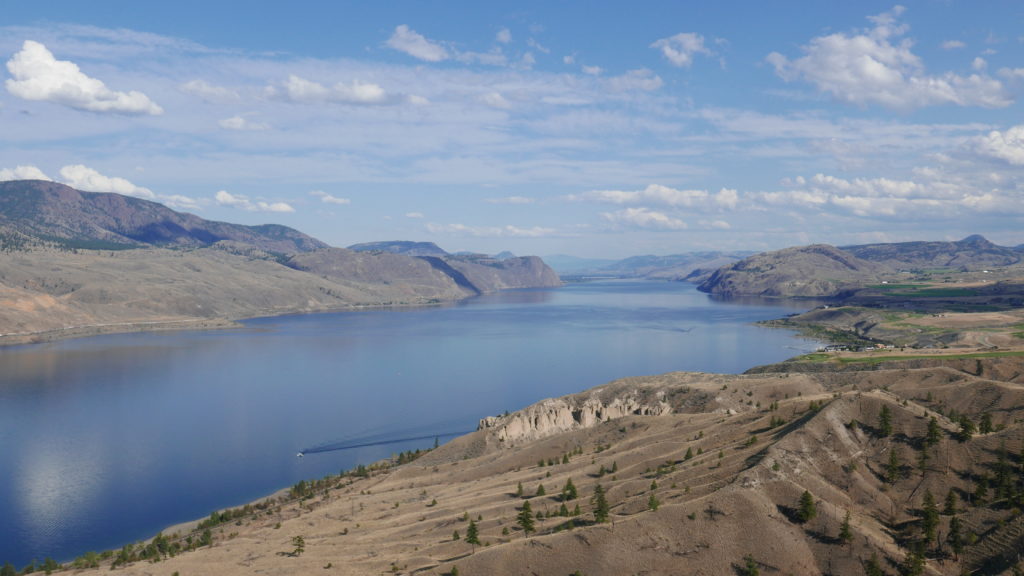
(874, 468)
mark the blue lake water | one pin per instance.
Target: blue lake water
(107, 440)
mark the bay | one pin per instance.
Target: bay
(107, 440)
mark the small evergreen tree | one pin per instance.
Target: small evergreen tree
(929, 517)
(894, 468)
(750, 566)
(951, 502)
(473, 536)
(873, 567)
(525, 518)
(885, 421)
(985, 427)
(967, 428)
(601, 508)
(913, 563)
(955, 537)
(934, 434)
(8, 570)
(652, 502)
(519, 489)
(845, 532)
(689, 453)
(540, 490)
(300, 545)
(569, 491)
(455, 535)
(807, 509)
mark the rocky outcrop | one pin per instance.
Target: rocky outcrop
(555, 416)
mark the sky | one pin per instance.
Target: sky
(594, 129)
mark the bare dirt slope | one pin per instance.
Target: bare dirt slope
(703, 474)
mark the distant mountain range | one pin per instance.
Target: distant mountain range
(71, 218)
(74, 262)
(691, 266)
(826, 271)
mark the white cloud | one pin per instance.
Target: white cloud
(415, 215)
(406, 40)
(1012, 73)
(504, 36)
(656, 194)
(1007, 146)
(953, 45)
(37, 75)
(240, 123)
(641, 79)
(87, 179)
(328, 199)
(592, 70)
(22, 173)
(495, 100)
(511, 200)
(301, 90)
(225, 198)
(491, 231)
(643, 218)
(979, 64)
(869, 68)
(532, 43)
(681, 48)
(569, 60)
(716, 224)
(209, 92)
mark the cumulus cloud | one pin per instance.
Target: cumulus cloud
(209, 92)
(656, 194)
(240, 123)
(643, 218)
(511, 200)
(491, 231)
(503, 36)
(407, 40)
(22, 173)
(936, 194)
(495, 100)
(641, 79)
(301, 90)
(85, 178)
(328, 199)
(225, 198)
(877, 66)
(37, 75)
(592, 70)
(681, 48)
(1007, 146)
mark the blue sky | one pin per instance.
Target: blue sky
(600, 129)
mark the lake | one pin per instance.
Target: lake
(107, 440)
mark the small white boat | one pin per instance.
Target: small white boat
(299, 455)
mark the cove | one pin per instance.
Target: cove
(107, 440)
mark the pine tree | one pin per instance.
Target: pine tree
(300, 545)
(519, 489)
(913, 563)
(807, 509)
(652, 502)
(689, 453)
(929, 517)
(750, 566)
(893, 470)
(951, 502)
(955, 537)
(885, 421)
(569, 491)
(601, 508)
(985, 427)
(540, 490)
(872, 567)
(934, 434)
(472, 536)
(845, 532)
(967, 428)
(8, 570)
(525, 518)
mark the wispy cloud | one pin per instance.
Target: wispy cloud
(225, 198)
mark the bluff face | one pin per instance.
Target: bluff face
(75, 262)
(823, 271)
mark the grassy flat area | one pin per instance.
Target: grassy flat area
(822, 357)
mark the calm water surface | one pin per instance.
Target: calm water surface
(107, 440)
